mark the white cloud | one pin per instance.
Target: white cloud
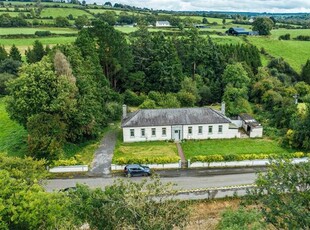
(219, 5)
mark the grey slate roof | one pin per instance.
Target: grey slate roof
(165, 117)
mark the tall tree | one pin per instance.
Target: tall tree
(3, 53)
(114, 53)
(128, 204)
(283, 195)
(305, 72)
(15, 54)
(36, 53)
(263, 25)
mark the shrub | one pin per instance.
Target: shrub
(146, 160)
(43, 33)
(131, 98)
(285, 37)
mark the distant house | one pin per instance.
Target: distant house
(240, 31)
(162, 24)
(176, 124)
(251, 126)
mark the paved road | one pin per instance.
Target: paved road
(182, 182)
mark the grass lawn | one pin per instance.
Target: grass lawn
(296, 53)
(13, 136)
(145, 150)
(56, 30)
(231, 146)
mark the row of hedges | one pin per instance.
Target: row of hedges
(241, 157)
(76, 160)
(141, 160)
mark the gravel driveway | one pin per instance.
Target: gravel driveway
(101, 164)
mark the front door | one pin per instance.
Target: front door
(177, 135)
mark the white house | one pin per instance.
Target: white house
(251, 126)
(162, 24)
(176, 124)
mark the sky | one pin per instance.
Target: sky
(270, 6)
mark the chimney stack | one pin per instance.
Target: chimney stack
(223, 107)
(124, 111)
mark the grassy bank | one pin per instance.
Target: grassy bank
(13, 136)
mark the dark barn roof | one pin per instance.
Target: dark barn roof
(183, 116)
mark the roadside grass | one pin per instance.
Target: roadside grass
(232, 146)
(140, 151)
(13, 137)
(296, 53)
(56, 30)
(64, 12)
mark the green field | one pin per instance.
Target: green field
(296, 53)
(126, 29)
(64, 12)
(14, 3)
(226, 39)
(117, 12)
(23, 44)
(293, 32)
(12, 14)
(56, 30)
(232, 146)
(13, 136)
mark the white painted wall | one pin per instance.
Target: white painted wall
(256, 132)
(226, 133)
(148, 134)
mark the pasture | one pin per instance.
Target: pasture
(23, 44)
(18, 30)
(296, 53)
(63, 12)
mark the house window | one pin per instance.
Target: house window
(142, 132)
(132, 133)
(153, 132)
(210, 129)
(164, 131)
(220, 128)
(190, 130)
(199, 129)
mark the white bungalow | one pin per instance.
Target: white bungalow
(176, 124)
(162, 24)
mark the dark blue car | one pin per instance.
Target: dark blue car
(137, 170)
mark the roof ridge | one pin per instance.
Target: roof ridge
(221, 114)
(129, 118)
